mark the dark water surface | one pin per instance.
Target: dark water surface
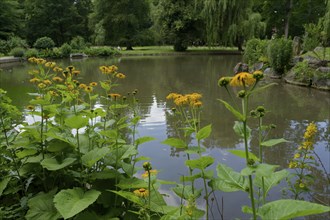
(290, 108)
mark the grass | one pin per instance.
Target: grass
(158, 50)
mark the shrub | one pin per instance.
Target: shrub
(65, 50)
(31, 53)
(15, 41)
(4, 48)
(78, 43)
(303, 72)
(311, 37)
(100, 51)
(255, 51)
(279, 53)
(44, 43)
(17, 52)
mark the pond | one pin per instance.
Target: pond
(289, 107)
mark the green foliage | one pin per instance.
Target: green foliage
(78, 43)
(100, 51)
(255, 51)
(31, 53)
(9, 18)
(312, 37)
(17, 52)
(70, 202)
(65, 50)
(303, 72)
(44, 43)
(280, 54)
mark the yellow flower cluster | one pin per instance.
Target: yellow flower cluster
(108, 69)
(114, 95)
(192, 99)
(37, 60)
(152, 173)
(310, 131)
(143, 193)
(242, 79)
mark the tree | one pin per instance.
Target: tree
(180, 23)
(231, 22)
(288, 17)
(124, 22)
(60, 20)
(9, 18)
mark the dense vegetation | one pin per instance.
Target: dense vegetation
(180, 23)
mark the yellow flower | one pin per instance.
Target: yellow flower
(58, 69)
(70, 87)
(120, 76)
(197, 104)
(34, 80)
(173, 95)
(88, 89)
(82, 86)
(292, 164)
(70, 68)
(181, 100)
(93, 84)
(103, 69)
(310, 131)
(242, 79)
(194, 96)
(57, 79)
(47, 82)
(32, 59)
(41, 85)
(258, 75)
(53, 93)
(30, 107)
(152, 173)
(302, 185)
(75, 72)
(143, 193)
(114, 95)
(296, 156)
(40, 61)
(112, 68)
(50, 64)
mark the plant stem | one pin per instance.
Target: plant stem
(261, 160)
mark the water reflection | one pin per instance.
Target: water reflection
(291, 108)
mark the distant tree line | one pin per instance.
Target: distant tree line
(180, 23)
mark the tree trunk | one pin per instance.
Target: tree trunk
(287, 20)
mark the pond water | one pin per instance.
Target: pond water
(291, 108)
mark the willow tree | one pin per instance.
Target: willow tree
(231, 22)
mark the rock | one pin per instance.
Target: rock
(241, 67)
(297, 59)
(296, 44)
(324, 69)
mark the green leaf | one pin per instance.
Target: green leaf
(128, 195)
(53, 164)
(272, 142)
(132, 183)
(41, 207)
(236, 113)
(186, 191)
(271, 181)
(204, 132)
(195, 150)
(288, 209)
(230, 180)
(130, 151)
(259, 89)
(260, 170)
(91, 157)
(141, 158)
(26, 153)
(145, 139)
(200, 163)
(105, 85)
(77, 121)
(3, 184)
(239, 129)
(70, 202)
(175, 142)
(241, 153)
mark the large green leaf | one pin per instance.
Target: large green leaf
(3, 184)
(229, 180)
(186, 192)
(175, 142)
(129, 195)
(145, 139)
(53, 164)
(242, 154)
(260, 170)
(271, 181)
(41, 207)
(288, 209)
(90, 158)
(239, 129)
(77, 121)
(70, 202)
(236, 113)
(200, 163)
(272, 142)
(204, 132)
(132, 183)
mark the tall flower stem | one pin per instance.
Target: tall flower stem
(261, 159)
(245, 109)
